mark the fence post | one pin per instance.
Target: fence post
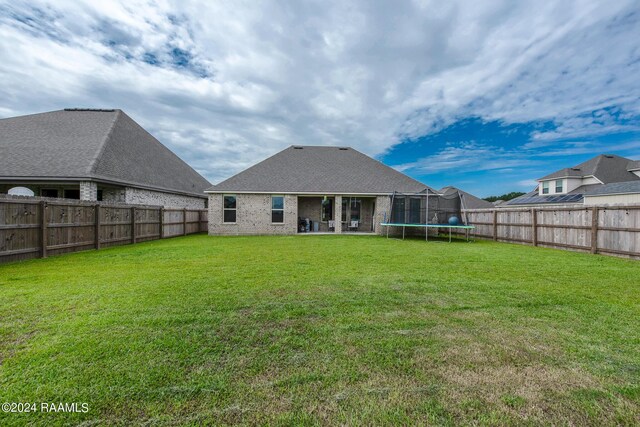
(162, 222)
(534, 226)
(97, 226)
(184, 222)
(43, 228)
(495, 224)
(594, 230)
(133, 225)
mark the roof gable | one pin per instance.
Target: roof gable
(55, 144)
(92, 144)
(132, 154)
(320, 169)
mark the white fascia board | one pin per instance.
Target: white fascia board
(594, 177)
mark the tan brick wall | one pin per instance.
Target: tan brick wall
(383, 207)
(138, 196)
(253, 215)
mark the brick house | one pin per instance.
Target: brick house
(94, 155)
(307, 189)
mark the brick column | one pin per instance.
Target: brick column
(88, 191)
(338, 214)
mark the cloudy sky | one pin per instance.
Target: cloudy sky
(485, 95)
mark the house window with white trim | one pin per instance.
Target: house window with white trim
(277, 209)
(545, 187)
(229, 207)
(559, 186)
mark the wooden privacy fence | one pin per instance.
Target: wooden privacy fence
(32, 229)
(611, 230)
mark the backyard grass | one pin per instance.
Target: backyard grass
(325, 330)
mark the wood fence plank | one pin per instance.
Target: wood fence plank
(594, 230)
(43, 228)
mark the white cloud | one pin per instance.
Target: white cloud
(225, 84)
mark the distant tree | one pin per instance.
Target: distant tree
(504, 197)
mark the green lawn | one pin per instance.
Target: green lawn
(322, 330)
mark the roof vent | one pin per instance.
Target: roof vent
(297, 147)
(608, 156)
(575, 169)
(342, 148)
(102, 110)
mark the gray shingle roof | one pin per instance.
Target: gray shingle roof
(313, 169)
(606, 167)
(633, 165)
(469, 200)
(615, 188)
(102, 145)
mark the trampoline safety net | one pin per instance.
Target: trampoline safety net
(424, 208)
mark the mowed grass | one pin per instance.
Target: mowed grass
(325, 330)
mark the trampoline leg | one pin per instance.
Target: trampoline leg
(387, 231)
(403, 232)
(449, 234)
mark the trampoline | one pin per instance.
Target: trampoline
(427, 211)
(467, 228)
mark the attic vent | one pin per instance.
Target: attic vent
(575, 169)
(101, 110)
(608, 156)
(297, 147)
(342, 148)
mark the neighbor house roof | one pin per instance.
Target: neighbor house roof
(533, 198)
(633, 165)
(629, 187)
(605, 167)
(469, 201)
(101, 145)
(320, 169)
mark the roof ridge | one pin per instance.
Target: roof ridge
(595, 168)
(94, 162)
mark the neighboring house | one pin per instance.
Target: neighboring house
(338, 189)
(95, 155)
(469, 201)
(570, 185)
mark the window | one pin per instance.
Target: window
(229, 209)
(277, 209)
(352, 206)
(414, 210)
(398, 210)
(20, 191)
(327, 210)
(345, 205)
(72, 194)
(545, 187)
(355, 205)
(100, 195)
(559, 186)
(48, 193)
